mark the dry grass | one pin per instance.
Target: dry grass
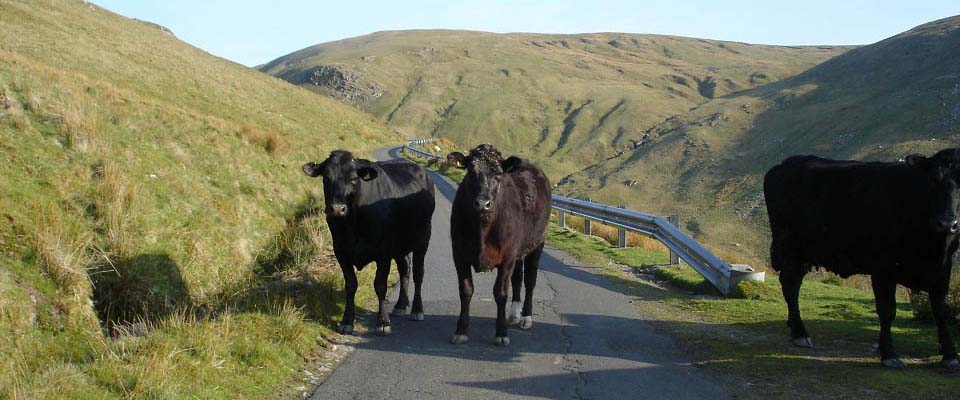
(115, 206)
(128, 179)
(611, 235)
(64, 252)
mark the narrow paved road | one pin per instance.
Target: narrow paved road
(586, 342)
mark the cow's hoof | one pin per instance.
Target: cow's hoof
(893, 362)
(397, 311)
(383, 330)
(952, 364)
(459, 339)
(526, 322)
(514, 318)
(501, 341)
(803, 342)
(345, 329)
(417, 316)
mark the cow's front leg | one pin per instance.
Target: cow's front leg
(516, 282)
(418, 259)
(403, 301)
(791, 277)
(938, 302)
(465, 284)
(380, 286)
(500, 288)
(530, 268)
(884, 292)
(350, 292)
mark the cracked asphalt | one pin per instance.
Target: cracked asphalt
(587, 340)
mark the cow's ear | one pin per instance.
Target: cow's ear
(313, 169)
(510, 163)
(929, 165)
(366, 171)
(457, 159)
(915, 160)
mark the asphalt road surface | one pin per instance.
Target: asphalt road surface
(587, 340)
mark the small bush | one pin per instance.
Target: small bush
(920, 302)
(754, 290)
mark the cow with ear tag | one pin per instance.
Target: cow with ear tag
(377, 212)
(498, 220)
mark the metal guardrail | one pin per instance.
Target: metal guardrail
(720, 274)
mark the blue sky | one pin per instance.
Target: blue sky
(255, 32)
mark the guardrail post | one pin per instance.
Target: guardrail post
(561, 219)
(674, 220)
(621, 234)
(586, 224)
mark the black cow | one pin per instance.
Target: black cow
(377, 211)
(498, 219)
(896, 222)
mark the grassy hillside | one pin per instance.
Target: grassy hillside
(151, 199)
(565, 101)
(878, 102)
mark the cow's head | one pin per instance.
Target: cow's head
(485, 167)
(943, 169)
(342, 176)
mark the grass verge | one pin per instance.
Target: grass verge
(158, 239)
(745, 341)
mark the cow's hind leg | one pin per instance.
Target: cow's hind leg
(403, 267)
(380, 286)
(941, 311)
(516, 283)
(884, 292)
(350, 292)
(531, 266)
(465, 284)
(791, 277)
(504, 275)
(418, 260)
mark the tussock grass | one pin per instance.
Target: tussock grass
(144, 184)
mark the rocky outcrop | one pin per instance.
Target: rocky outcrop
(341, 83)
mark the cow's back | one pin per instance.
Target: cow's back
(846, 216)
(393, 212)
(530, 211)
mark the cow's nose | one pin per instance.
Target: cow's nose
(337, 210)
(948, 225)
(483, 205)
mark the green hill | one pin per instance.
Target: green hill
(565, 101)
(878, 102)
(151, 195)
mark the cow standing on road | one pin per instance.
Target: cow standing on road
(498, 220)
(377, 211)
(896, 222)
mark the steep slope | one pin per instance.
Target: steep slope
(878, 102)
(147, 188)
(563, 100)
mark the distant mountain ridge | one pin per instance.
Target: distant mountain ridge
(562, 100)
